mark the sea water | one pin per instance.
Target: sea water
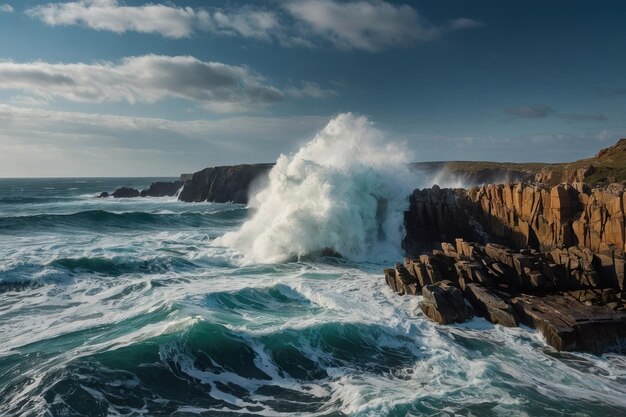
(155, 307)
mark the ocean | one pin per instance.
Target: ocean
(155, 307)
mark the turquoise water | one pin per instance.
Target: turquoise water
(130, 308)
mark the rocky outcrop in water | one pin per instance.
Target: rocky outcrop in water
(218, 184)
(156, 189)
(443, 302)
(224, 184)
(125, 192)
(549, 257)
(163, 189)
(576, 305)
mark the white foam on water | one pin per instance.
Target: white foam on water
(345, 190)
(331, 311)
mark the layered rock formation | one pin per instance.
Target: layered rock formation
(575, 304)
(548, 257)
(522, 215)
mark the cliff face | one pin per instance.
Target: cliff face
(223, 184)
(522, 215)
(162, 189)
(549, 257)
(561, 216)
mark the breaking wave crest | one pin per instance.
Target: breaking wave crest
(344, 192)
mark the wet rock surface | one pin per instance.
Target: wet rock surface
(570, 295)
(569, 325)
(443, 302)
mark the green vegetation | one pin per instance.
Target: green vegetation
(609, 165)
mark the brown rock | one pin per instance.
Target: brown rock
(443, 303)
(569, 325)
(490, 306)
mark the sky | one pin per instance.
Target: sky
(157, 88)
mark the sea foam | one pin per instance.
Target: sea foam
(344, 192)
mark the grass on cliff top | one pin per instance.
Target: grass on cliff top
(610, 163)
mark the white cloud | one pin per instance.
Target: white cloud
(6, 8)
(148, 78)
(166, 19)
(40, 142)
(370, 25)
(173, 22)
(246, 22)
(310, 89)
(24, 100)
(362, 24)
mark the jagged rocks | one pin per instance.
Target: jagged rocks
(156, 189)
(578, 175)
(561, 216)
(556, 253)
(437, 215)
(570, 325)
(401, 281)
(569, 295)
(605, 297)
(443, 302)
(490, 306)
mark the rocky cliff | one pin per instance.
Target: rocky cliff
(607, 166)
(217, 184)
(549, 257)
(522, 215)
(223, 184)
(232, 183)
(562, 294)
(162, 189)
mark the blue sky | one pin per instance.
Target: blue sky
(106, 87)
